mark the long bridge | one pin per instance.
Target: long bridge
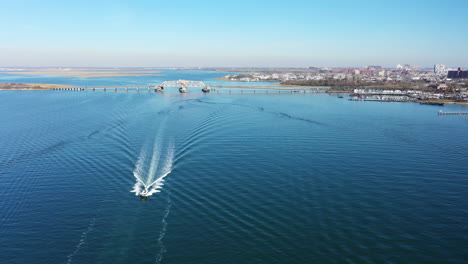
(185, 84)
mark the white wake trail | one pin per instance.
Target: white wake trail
(139, 168)
(162, 233)
(150, 171)
(155, 159)
(155, 186)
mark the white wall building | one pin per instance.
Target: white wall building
(439, 69)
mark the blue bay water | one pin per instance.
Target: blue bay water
(247, 178)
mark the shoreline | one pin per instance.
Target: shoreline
(333, 89)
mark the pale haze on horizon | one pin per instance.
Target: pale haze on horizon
(182, 33)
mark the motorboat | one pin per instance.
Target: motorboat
(144, 195)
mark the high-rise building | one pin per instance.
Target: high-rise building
(439, 69)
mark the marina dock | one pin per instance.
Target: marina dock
(452, 113)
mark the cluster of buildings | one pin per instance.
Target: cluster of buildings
(437, 77)
(404, 82)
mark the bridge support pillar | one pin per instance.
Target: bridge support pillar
(159, 88)
(206, 89)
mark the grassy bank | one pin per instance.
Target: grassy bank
(30, 86)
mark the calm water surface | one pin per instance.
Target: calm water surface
(243, 178)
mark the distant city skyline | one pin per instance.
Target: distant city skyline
(183, 33)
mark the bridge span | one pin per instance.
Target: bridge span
(185, 84)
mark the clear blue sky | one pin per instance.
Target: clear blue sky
(233, 33)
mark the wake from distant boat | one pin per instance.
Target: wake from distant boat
(83, 238)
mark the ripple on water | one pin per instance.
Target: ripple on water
(254, 179)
